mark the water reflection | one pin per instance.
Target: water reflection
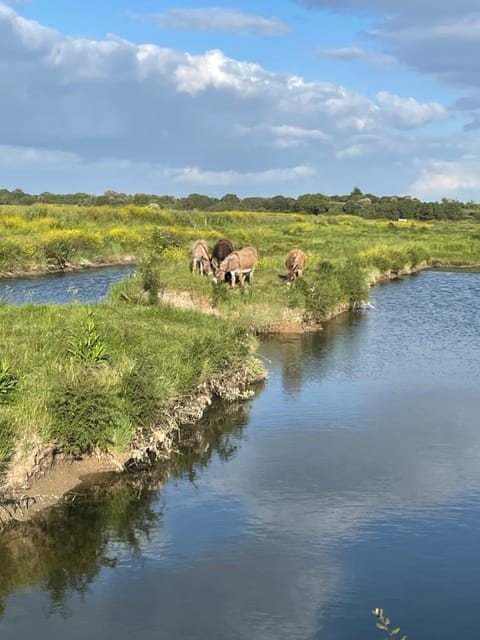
(65, 549)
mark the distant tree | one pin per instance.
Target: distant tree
(196, 201)
(230, 202)
(356, 191)
(313, 203)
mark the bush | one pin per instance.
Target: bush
(149, 272)
(142, 400)
(321, 296)
(85, 414)
(353, 282)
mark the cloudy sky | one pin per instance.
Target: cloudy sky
(283, 96)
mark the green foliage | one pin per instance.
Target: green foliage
(353, 281)
(85, 414)
(8, 382)
(87, 345)
(331, 286)
(321, 296)
(220, 293)
(141, 398)
(6, 440)
(385, 625)
(150, 276)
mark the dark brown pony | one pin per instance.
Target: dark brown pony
(220, 251)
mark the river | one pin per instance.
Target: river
(89, 285)
(351, 480)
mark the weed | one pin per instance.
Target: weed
(87, 345)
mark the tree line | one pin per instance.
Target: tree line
(356, 202)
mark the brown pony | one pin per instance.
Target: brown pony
(239, 263)
(296, 262)
(200, 257)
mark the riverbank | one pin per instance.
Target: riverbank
(69, 267)
(108, 383)
(42, 478)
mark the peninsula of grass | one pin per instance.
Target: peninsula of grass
(104, 377)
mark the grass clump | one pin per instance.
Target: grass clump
(88, 392)
(8, 382)
(84, 415)
(87, 345)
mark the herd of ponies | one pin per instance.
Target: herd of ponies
(227, 265)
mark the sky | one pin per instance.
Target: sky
(278, 97)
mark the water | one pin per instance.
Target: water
(91, 285)
(350, 481)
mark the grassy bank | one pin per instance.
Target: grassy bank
(105, 377)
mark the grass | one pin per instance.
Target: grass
(118, 373)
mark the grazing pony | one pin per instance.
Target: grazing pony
(200, 257)
(220, 251)
(239, 263)
(296, 262)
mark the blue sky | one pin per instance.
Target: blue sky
(291, 97)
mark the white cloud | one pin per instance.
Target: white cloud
(408, 113)
(11, 155)
(356, 54)
(218, 19)
(445, 179)
(194, 175)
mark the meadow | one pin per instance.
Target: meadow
(83, 378)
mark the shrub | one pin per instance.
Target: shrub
(142, 401)
(353, 282)
(417, 254)
(85, 414)
(321, 296)
(149, 272)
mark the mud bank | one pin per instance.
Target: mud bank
(42, 477)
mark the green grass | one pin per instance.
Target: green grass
(151, 356)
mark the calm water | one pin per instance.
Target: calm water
(90, 285)
(350, 481)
